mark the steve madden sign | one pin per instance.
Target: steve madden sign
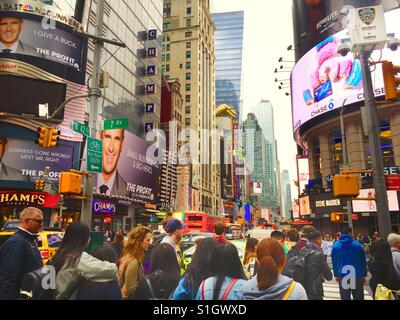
(327, 203)
(39, 8)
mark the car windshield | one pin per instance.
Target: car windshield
(11, 226)
(54, 240)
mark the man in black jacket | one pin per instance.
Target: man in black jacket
(20, 255)
(317, 268)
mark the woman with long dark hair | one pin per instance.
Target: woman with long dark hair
(73, 265)
(381, 267)
(270, 284)
(227, 279)
(164, 275)
(250, 258)
(200, 268)
(131, 264)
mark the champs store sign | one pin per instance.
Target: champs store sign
(28, 199)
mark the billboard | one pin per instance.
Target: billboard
(21, 160)
(257, 188)
(126, 170)
(305, 208)
(323, 80)
(303, 173)
(21, 36)
(370, 205)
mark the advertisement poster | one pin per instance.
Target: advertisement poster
(370, 205)
(257, 188)
(21, 160)
(323, 80)
(126, 170)
(20, 36)
(305, 208)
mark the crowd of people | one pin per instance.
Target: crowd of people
(286, 266)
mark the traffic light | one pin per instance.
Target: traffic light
(345, 186)
(70, 183)
(52, 137)
(41, 137)
(337, 217)
(391, 77)
(39, 184)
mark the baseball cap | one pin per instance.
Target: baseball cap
(173, 225)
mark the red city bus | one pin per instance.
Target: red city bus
(201, 222)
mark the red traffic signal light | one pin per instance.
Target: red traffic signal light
(392, 81)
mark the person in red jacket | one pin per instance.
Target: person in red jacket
(220, 233)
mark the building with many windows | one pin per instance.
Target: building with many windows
(189, 56)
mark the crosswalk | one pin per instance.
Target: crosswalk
(332, 292)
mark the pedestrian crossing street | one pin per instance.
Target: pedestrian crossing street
(331, 291)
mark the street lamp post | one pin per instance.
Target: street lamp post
(345, 161)
(375, 146)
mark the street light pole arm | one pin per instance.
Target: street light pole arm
(60, 108)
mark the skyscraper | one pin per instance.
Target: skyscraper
(286, 194)
(256, 158)
(264, 113)
(228, 58)
(228, 74)
(188, 55)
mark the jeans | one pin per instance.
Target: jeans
(358, 293)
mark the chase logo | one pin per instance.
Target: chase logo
(331, 105)
(367, 15)
(28, 8)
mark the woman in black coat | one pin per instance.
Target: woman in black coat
(381, 267)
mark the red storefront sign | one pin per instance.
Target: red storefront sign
(393, 182)
(18, 198)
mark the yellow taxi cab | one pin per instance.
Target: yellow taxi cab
(48, 240)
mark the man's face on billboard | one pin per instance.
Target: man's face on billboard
(10, 28)
(112, 147)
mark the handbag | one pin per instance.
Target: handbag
(383, 293)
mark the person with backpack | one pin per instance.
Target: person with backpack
(90, 290)
(20, 255)
(381, 267)
(293, 257)
(269, 283)
(73, 266)
(227, 278)
(316, 267)
(348, 254)
(199, 269)
(163, 278)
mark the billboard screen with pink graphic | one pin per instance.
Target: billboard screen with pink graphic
(323, 80)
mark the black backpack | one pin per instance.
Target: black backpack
(296, 265)
(34, 286)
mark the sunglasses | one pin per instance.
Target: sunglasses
(36, 220)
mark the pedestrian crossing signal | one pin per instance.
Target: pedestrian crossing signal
(391, 77)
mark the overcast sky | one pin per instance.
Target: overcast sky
(268, 32)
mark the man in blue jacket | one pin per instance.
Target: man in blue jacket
(20, 255)
(349, 261)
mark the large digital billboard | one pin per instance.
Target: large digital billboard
(323, 80)
(370, 205)
(127, 172)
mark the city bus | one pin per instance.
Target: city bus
(201, 222)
